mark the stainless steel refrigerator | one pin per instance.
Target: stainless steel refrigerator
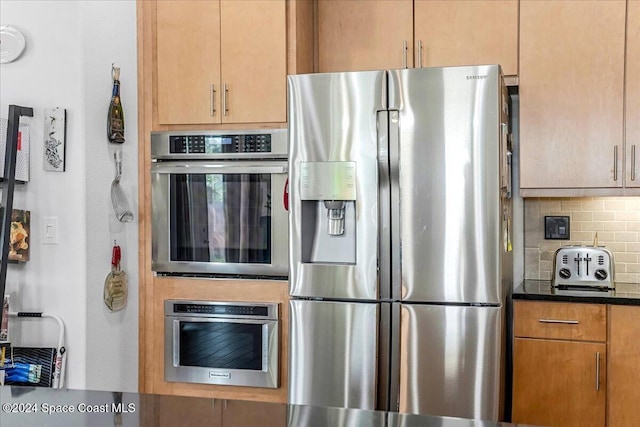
(399, 238)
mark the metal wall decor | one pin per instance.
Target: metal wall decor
(55, 139)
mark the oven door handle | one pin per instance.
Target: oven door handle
(218, 168)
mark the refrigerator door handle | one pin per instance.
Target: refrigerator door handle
(394, 177)
(384, 207)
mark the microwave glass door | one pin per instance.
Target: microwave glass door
(222, 345)
(223, 218)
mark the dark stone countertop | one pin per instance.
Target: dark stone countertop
(541, 290)
(29, 406)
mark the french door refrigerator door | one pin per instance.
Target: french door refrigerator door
(335, 144)
(450, 360)
(333, 354)
(447, 150)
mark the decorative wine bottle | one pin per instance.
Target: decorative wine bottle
(115, 119)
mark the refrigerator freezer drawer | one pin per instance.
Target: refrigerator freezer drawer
(450, 360)
(332, 353)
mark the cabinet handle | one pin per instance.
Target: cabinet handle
(420, 53)
(212, 100)
(404, 54)
(615, 162)
(564, 322)
(598, 371)
(225, 90)
(633, 163)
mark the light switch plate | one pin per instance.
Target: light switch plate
(50, 230)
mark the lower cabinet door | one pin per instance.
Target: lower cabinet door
(623, 390)
(183, 411)
(559, 383)
(239, 413)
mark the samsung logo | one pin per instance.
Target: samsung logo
(476, 77)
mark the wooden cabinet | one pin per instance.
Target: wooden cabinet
(364, 35)
(171, 411)
(185, 47)
(559, 364)
(355, 35)
(221, 61)
(572, 56)
(237, 413)
(624, 366)
(558, 383)
(467, 32)
(632, 105)
(188, 61)
(253, 61)
(576, 322)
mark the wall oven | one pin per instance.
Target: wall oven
(219, 203)
(227, 343)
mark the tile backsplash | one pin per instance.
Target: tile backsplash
(615, 219)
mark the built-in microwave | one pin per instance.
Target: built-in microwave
(219, 203)
(225, 343)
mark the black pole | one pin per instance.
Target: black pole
(7, 185)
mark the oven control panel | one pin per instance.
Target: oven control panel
(219, 144)
(221, 309)
(227, 144)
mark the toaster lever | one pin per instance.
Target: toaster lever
(578, 259)
(587, 258)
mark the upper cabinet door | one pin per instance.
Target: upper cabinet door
(254, 61)
(571, 94)
(632, 121)
(188, 61)
(469, 32)
(358, 35)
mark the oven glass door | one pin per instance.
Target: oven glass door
(220, 218)
(225, 217)
(223, 345)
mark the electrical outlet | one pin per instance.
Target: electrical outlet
(557, 228)
(50, 230)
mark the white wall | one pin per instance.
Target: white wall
(70, 48)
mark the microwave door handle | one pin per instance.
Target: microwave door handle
(186, 168)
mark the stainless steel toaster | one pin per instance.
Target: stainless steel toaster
(583, 266)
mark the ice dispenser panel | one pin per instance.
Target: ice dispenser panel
(328, 195)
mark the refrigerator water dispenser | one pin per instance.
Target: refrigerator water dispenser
(328, 196)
